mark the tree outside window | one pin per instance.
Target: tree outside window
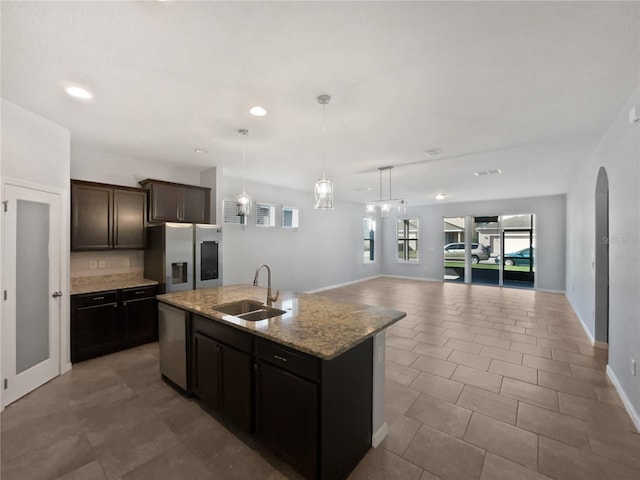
(369, 240)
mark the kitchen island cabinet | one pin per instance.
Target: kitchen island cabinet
(306, 377)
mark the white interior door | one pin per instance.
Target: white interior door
(31, 280)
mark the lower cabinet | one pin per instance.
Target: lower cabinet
(287, 416)
(105, 322)
(222, 371)
(313, 413)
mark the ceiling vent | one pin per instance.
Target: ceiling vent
(433, 152)
(482, 173)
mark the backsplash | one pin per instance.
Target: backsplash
(91, 264)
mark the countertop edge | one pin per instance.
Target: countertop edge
(116, 285)
(281, 341)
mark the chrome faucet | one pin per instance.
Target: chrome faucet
(270, 299)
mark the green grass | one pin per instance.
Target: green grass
(489, 266)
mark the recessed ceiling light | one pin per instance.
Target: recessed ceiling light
(433, 152)
(440, 196)
(258, 111)
(201, 150)
(482, 173)
(79, 92)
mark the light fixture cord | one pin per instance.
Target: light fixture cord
(324, 138)
(380, 185)
(390, 197)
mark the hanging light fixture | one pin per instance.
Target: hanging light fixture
(324, 187)
(385, 205)
(243, 201)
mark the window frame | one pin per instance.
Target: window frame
(371, 240)
(271, 217)
(407, 240)
(295, 217)
(232, 204)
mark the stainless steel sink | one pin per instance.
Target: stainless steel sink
(249, 310)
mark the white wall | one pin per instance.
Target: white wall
(549, 231)
(619, 154)
(36, 150)
(327, 248)
(94, 166)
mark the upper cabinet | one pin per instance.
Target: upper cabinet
(175, 202)
(107, 216)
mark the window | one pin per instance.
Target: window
(265, 215)
(289, 217)
(369, 240)
(231, 213)
(407, 239)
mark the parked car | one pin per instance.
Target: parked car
(455, 251)
(521, 257)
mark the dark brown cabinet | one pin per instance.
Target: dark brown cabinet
(107, 216)
(95, 322)
(105, 322)
(175, 202)
(287, 416)
(222, 370)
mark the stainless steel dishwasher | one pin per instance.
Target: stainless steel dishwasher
(172, 339)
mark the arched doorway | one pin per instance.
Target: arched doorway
(602, 257)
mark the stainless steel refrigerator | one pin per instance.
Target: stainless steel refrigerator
(184, 256)
(181, 256)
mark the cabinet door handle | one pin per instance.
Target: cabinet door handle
(140, 292)
(278, 357)
(98, 298)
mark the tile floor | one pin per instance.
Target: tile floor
(482, 383)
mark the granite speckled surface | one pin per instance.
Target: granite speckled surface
(312, 323)
(101, 283)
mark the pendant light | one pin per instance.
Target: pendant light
(243, 201)
(324, 187)
(385, 205)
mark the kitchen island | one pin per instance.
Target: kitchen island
(308, 382)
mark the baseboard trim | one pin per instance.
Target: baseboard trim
(379, 435)
(420, 279)
(337, 285)
(550, 290)
(635, 417)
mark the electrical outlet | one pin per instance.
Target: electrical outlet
(633, 367)
(93, 264)
(102, 264)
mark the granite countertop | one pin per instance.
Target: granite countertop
(101, 283)
(313, 324)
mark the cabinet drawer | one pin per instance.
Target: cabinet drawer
(138, 292)
(288, 359)
(94, 299)
(223, 333)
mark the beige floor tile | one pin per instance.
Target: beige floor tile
(381, 463)
(607, 394)
(577, 359)
(89, 471)
(428, 329)
(517, 337)
(498, 468)
(595, 376)
(439, 414)
(503, 439)
(502, 354)
(594, 412)
(432, 350)
(558, 345)
(439, 340)
(399, 397)
(477, 378)
(463, 346)
(538, 351)
(177, 462)
(486, 331)
(518, 372)
(398, 331)
(460, 334)
(562, 383)
(492, 341)
(434, 366)
(621, 446)
(541, 396)
(401, 357)
(545, 364)
(488, 403)
(563, 428)
(401, 430)
(470, 360)
(401, 343)
(445, 456)
(440, 387)
(400, 374)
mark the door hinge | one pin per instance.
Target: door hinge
(6, 383)
(5, 203)
(5, 294)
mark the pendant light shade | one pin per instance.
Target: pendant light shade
(323, 190)
(385, 204)
(243, 200)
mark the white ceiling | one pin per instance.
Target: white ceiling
(526, 87)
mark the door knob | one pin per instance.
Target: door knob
(56, 294)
